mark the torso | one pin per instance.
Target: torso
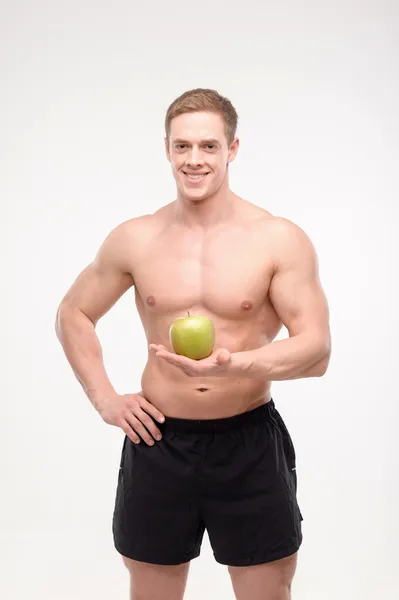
(224, 275)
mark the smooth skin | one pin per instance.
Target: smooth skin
(214, 254)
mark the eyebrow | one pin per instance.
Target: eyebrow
(181, 141)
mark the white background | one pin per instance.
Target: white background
(84, 90)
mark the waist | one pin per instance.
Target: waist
(202, 398)
(223, 424)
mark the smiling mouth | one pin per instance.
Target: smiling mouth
(195, 177)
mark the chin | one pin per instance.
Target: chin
(197, 196)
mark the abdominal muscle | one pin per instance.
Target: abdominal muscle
(175, 394)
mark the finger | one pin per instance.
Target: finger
(131, 434)
(150, 408)
(139, 428)
(178, 364)
(176, 360)
(168, 357)
(183, 361)
(223, 356)
(149, 424)
(164, 354)
(157, 347)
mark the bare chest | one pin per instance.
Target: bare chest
(226, 274)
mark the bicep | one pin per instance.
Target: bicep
(98, 287)
(295, 290)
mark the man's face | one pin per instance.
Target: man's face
(199, 153)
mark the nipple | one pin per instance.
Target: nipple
(247, 305)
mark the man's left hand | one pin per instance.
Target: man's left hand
(217, 364)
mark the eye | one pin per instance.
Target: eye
(210, 146)
(180, 146)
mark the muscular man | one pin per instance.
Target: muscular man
(205, 446)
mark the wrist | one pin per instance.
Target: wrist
(247, 365)
(240, 363)
(100, 399)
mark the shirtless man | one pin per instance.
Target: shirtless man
(214, 452)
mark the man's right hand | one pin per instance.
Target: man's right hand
(131, 412)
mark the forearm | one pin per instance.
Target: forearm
(315, 370)
(294, 358)
(83, 350)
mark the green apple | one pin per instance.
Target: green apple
(193, 337)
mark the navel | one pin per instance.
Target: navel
(246, 305)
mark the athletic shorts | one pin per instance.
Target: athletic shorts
(234, 477)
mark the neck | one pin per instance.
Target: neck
(204, 215)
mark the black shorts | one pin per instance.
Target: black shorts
(234, 477)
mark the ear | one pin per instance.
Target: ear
(235, 144)
(167, 148)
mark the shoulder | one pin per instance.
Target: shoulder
(124, 241)
(133, 230)
(288, 231)
(279, 233)
(287, 241)
(280, 230)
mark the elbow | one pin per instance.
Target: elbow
(322, 365)
(61, 318)
(57, 321)
(69, 314)
(325, 355)
(321, 371)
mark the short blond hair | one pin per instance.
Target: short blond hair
(201, 99)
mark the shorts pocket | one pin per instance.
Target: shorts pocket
(288, 444)
(123, 454)
(119, 498)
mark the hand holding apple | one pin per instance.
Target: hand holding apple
(192, 336)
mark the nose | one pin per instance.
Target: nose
(194, 158)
